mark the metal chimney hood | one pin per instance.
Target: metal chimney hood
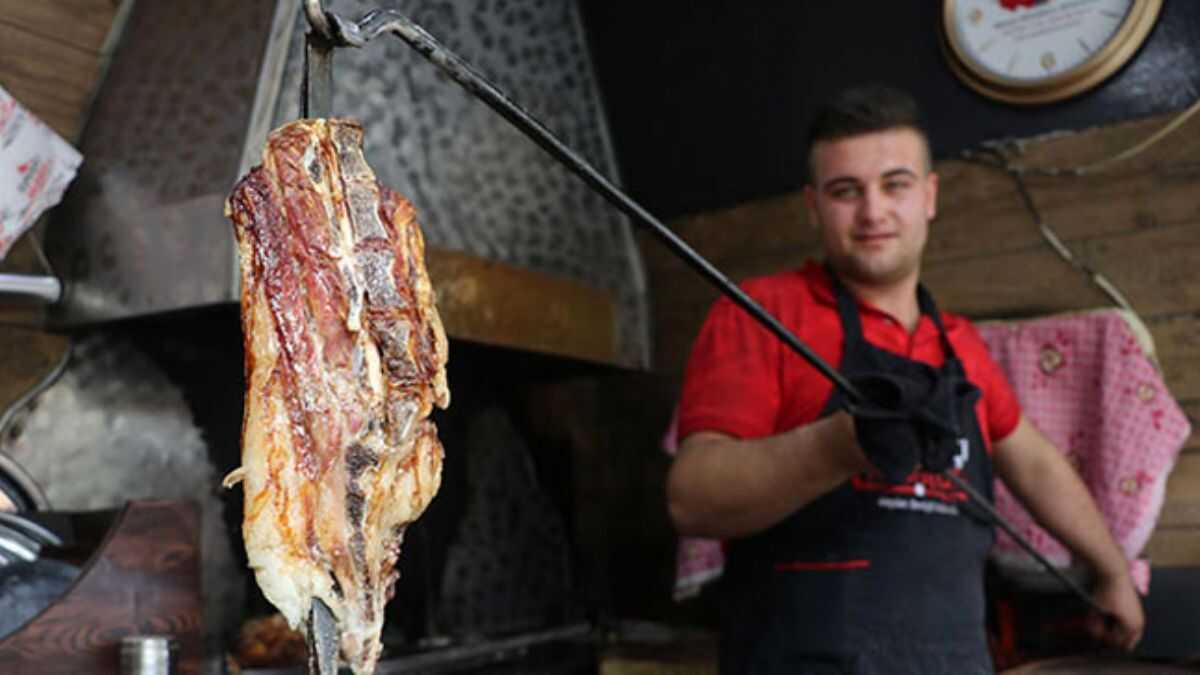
(521, 252)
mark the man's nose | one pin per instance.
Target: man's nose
(873, 205)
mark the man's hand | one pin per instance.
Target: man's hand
(1036, 472)
(1116, 594)
(884, 424)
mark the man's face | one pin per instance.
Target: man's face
(873, 196)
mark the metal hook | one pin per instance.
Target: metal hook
(318, 19)
(316, 90)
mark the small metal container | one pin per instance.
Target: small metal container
(149, 655)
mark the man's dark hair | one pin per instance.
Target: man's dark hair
(861, 110)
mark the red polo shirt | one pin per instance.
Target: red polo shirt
(743, 381)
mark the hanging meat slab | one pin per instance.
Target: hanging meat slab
(345, 359)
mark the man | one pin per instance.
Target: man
(844, 554)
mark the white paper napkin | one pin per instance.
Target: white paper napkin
(36, 166)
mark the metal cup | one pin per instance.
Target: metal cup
(148, 655)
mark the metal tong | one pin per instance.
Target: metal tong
(329, 30)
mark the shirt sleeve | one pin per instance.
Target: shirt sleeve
(1000, 401)
(731, 382)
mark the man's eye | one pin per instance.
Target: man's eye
(845, 192)
(896, 185)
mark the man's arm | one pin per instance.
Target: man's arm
(721, 486)
(1037, 473)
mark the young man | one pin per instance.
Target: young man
(844, 554)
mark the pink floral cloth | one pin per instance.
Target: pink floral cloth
(697, 560)
(1089, 383)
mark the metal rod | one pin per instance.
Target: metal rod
(380, 21)
(314, 11)
(1003, 523)
(316, 95)
(43, 288)
(322, 638)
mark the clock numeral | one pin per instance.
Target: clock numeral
(1086, 47)
(1012, 63)
(1048, 61)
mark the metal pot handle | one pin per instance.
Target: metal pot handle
(42, 288)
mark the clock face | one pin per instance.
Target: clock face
(1039, 51)
(1034, 40)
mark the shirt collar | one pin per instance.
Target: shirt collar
(821, 286)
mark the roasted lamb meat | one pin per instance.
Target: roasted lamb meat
(345, 359)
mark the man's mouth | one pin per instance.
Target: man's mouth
(874, 237)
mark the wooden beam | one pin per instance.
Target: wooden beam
(52, 81)
(1085, 147)
(81, 24)
(748, 240)
(1155, 269)
(1182, 505)
(981, 213)
(749, 232)
(1177, 342)
(486, 301)
(1192, 410)
(1174, 547)
(27, 356)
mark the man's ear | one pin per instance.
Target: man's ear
(931, 195)
(810, 203)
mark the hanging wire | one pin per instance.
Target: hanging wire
(1065, 253)
(994, 156)
(1140, 147)
(1001, 161)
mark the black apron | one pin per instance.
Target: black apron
(869, 578)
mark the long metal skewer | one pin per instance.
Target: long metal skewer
(982, 502)
(322, 635)
(316, 95)
(322, 638)
(341, 32)
(357, 34)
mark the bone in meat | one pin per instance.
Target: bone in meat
(345, 358)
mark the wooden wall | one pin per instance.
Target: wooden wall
(1139, 224)
(51, 56)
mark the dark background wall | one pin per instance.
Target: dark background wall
(708, 101)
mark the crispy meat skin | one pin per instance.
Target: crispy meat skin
(345, 358)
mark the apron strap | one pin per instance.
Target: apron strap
(852, 324)
(928, 306)
(847, 310)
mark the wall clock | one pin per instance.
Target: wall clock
(1040, 51)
